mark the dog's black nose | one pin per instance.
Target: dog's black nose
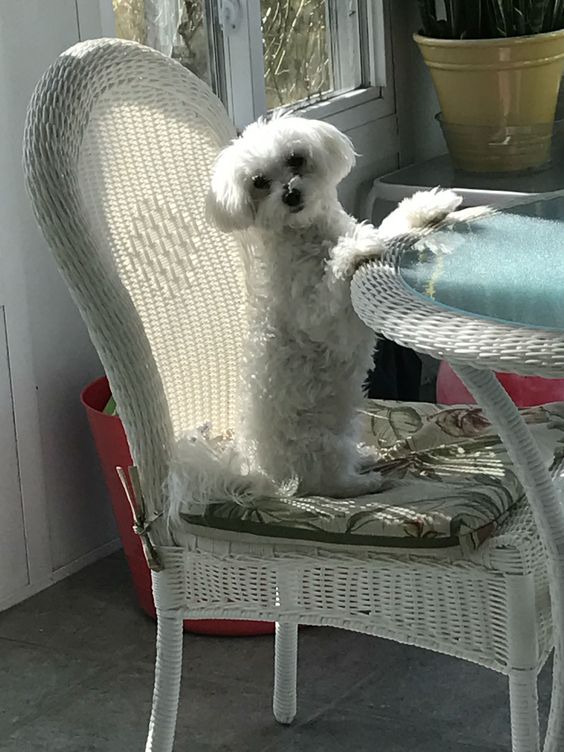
(293, 197)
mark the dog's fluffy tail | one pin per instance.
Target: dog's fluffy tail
(208, 469)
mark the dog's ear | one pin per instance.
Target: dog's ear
(338, 149)
(229, 211)
(229, 206)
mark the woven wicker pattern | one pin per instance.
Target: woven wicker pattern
(444, 601)
(387, 304)
(118, 164)
(118, 149)
(380, 295)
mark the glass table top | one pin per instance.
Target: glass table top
(507, 266)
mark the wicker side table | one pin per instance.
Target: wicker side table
(487, 293)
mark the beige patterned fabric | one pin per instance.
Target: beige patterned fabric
(447, 481)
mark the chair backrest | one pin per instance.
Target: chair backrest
(119, 145)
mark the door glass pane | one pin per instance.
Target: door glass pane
(297, 57)
(130, 20)
(175, 27)
(191, 48)
(311, 49)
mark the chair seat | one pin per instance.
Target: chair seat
(448, 481)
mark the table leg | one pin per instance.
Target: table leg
(547, 510)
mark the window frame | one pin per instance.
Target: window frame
(244, 71)
(237, 64)
(244, 63)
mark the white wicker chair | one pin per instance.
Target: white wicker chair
(112, 120)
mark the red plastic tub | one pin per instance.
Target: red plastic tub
(525, 391)
(113, 450)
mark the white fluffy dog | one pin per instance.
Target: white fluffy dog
(307, 353)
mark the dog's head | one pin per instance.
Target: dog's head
(279, 173)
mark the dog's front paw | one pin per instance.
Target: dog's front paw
(428, 207)
(423, 209)
(362, 245)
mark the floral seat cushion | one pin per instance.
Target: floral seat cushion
(448, 481)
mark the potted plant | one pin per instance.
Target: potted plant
(496, 66)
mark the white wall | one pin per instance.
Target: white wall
(13, 559)
(419, 134)
(64, 505)
(416, 101)
(377, 146)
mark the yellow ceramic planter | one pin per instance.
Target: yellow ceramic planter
(497, 97)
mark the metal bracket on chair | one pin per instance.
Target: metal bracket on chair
(132, 487)
(230, 14)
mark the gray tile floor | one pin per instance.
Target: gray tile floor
(76, 666)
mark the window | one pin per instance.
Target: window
(305, 45)
(296, 47)
(175, 27)
(323, 55)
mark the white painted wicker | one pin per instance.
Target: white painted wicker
(382, 299)
(118, 150)
(474, 345)
(118, 147)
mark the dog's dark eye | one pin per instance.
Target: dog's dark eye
(295, 161)
(260, 182)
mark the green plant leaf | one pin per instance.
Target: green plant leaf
(444, 31)
(483, 19)
(472, 19)
(537, 15)
(519, 22)
(500, 16)
(449, 10)
(558, 15)
(459, 13)
(428, 13)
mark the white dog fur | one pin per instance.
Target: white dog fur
(307, 352)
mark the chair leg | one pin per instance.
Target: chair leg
(523, 698)
(168, 669)
(285, 672)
